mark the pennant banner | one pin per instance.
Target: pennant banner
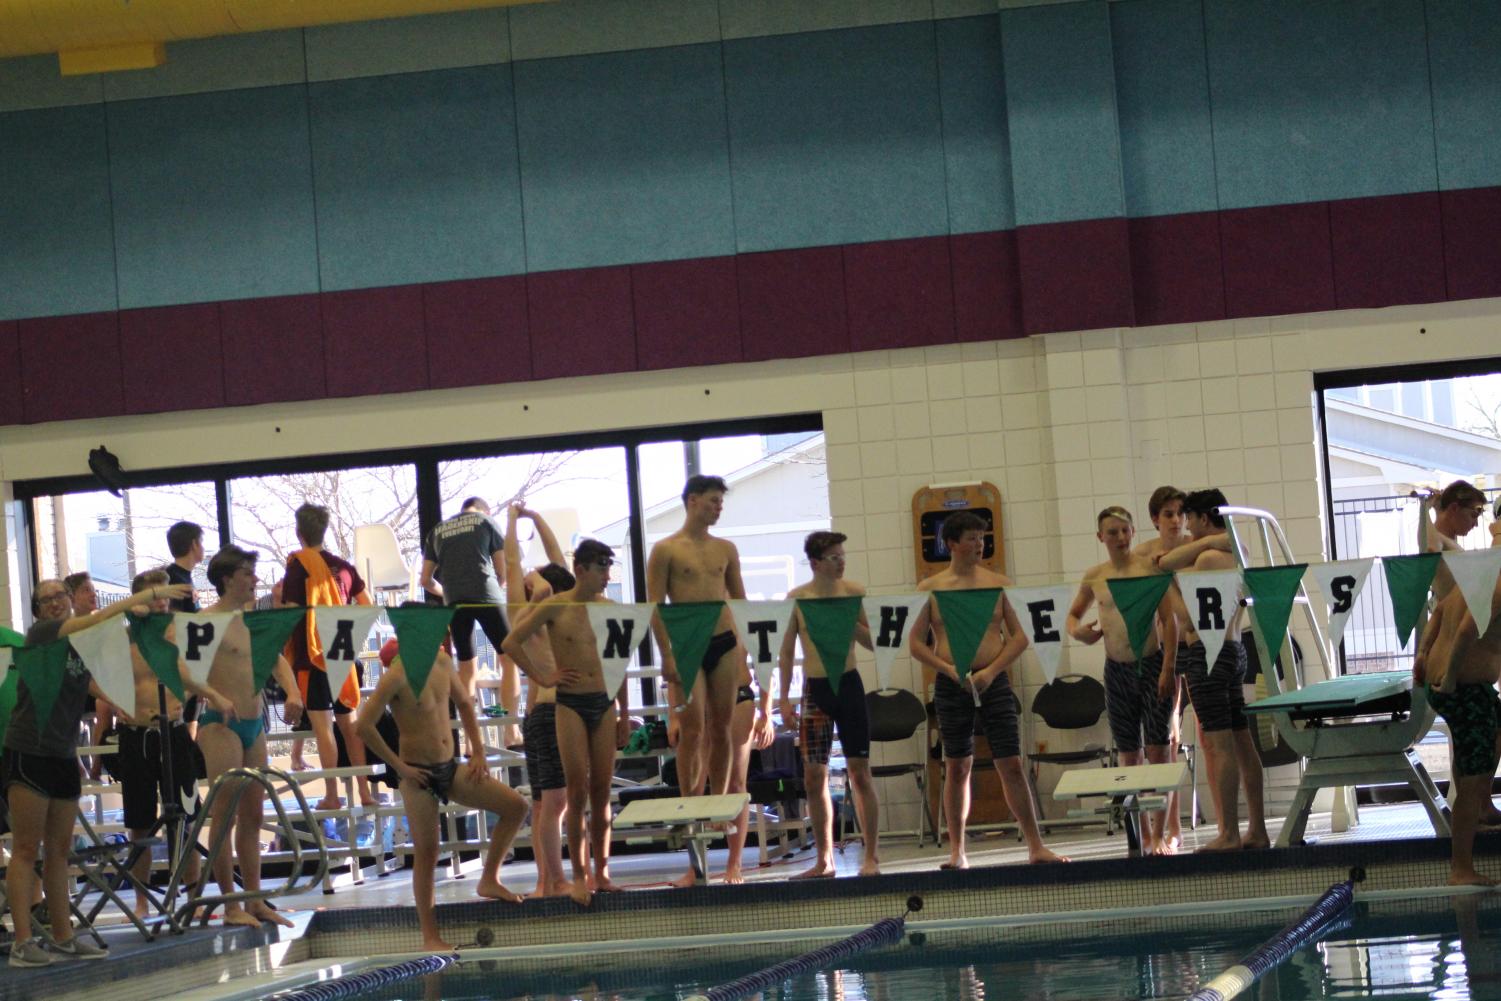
(1042, 611)
(105, 650)
(9, 637)
(690, 626)
(891, 617)
(1475, 573)
(11, 677)
(966, 615)
(1407, 580)
(198, 635)
(1341, 583)
(1272, 590)
(419, 633)
(761, 626)
(1137, 599)
(342, 631)
(618, 631)
(149, 632)
(269, 631)
(42, 668)
(1212, 597)
(831, 626)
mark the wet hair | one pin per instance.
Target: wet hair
(148, 578)
(1206, 502)
(312, 524)
(1114, 511)
(226, 563)
(475, 504)
(591, 551)
(558, 577)
(700, 484)
(1461, 492)
(955, 525)
(76, 580)
(818, 543)
(181, 536)
(1161, 498)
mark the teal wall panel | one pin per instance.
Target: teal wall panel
(976, 148)
(56, 251)
(1162, 92)
(1464, 51)
(835, 137)
(1317, 101)
(416, 178)
(624, 158)
(1060, 101)
(213, 197)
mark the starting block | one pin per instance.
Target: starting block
(686, 819)
(1127, 788)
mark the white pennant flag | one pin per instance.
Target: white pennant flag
(105, 651)
(1042, 611)
(1340, 583)
(618, 631)
(890, 617)
(198, 635)
(342, 631)
(1212, 597)
(5, 660)
(761, 626)
(1475, 573)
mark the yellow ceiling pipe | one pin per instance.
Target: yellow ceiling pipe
(94, 36)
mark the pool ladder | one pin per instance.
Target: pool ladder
(267, 778)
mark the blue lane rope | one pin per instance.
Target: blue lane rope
(1313, 923)
(359, 983)
(883, 932)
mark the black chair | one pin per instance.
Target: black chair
(895, 715)
(1069, 702)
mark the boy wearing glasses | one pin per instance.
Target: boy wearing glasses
(1458, 510)
(589, 728)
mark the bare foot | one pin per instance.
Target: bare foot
(263, 911)
(1469, 877)
(329, 803)
(1254, 841)
(823, 870)
(143, 908)
(732, 876)
(602, 884)
(579, 893)
(494, 890)
(237, 915)
(959, 861)
(1044, 855)
(298, 765)
(1170, 846)
(687, 879)
(1223, 843)
(870, 867)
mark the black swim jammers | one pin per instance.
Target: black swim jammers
(1473, 713)
(997, 714)
(544, 763)
(823, 710)
(1216, 692)
(1137, 715)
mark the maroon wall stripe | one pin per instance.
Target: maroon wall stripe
(70, 367)
(792, 303)
(581, 322)
(1277, 260)
(987, 286)
(686, 313)
(477, 332)
(172, 358)
(1076, 275)
(11, 410)
(1387, 251)
(1472, 248)
(273, 349)
(1177, 275)
(899, 293)
(374, 341)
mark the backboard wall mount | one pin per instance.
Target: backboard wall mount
(932, 505)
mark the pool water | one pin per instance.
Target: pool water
(1443, 948)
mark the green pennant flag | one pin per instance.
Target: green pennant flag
(12, 677)
(1407, 580)
(1272, 590)
(149, 634)
(42, 668)
(1137, 599)
(690, 626)
(9, 637)
(966, 616)
(269, 629)
(419, 633)
(831, 627)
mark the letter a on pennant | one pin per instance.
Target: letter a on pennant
(342, 631)
(198, 635)
(890, 617)
(618, 631)
(761, 626)
(1042, 611)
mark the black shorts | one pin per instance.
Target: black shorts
(54, 778)
(1134, 708)
(823, 711)
(138, 766)
(1216, 693)
(544, 765)
(958, 717)
(462, 627)
(719, 645)
(313, 684)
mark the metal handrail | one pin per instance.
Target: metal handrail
(264, 777)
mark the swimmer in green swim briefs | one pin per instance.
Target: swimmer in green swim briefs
(238, 741)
